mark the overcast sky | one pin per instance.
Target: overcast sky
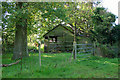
(112, 6)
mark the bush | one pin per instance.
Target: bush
(109, 51)
(7, 48)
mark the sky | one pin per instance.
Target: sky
(112, 6)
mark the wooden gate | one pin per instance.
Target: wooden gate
(84, 49)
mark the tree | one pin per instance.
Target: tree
(20, 45)
(103, 22)
(116, 36)
(17, 20)
(79, 18)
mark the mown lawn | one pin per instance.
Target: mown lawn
(59, 66)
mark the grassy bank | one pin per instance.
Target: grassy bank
(59, 66)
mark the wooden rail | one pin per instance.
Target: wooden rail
(84, 48)
(83, 44)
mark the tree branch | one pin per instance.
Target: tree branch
(6, 65)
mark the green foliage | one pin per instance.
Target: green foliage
(103, 22)
(109, 51)
(79, 13)
(58, 66)
(116, 33)
(102, 17)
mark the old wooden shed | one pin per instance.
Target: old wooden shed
(60, 39)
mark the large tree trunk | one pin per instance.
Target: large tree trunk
(20, 44)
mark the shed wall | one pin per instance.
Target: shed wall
(64, 41)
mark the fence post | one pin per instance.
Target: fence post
(93, 48)
(39, 54)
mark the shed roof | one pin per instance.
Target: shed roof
(66, 27)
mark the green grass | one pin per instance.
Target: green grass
(59, 66)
